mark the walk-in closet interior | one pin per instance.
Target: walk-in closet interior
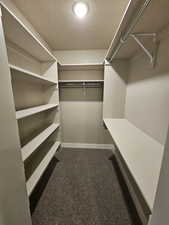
(84, 92)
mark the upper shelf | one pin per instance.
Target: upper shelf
(138, 150)
(27, 75)
(83, 66)
(17, 33)
(149, 22)
(34, 110)
(79, 81)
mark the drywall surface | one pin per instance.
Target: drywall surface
(82, 75)
(115, 76)
(81, 56)
(81, 111)
(14, 203)
(147, 99)
(82, 123)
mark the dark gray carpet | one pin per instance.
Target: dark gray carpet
(84, 189)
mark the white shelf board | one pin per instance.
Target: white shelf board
(79, 81)
(28, 112)
(17, 33)
(141, 153)
(35, 177)
(25, 74)
(30, 147)
(82, 66)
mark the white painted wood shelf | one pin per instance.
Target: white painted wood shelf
(31, 146)
(141, 153)
(82, 66)
(80, 81)
(27, 75)
(37, 174)
(34, 110)
(20, 35)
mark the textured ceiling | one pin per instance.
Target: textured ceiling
(56, 23)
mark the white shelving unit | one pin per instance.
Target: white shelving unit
(29, 148)
(34, 110)
(34, 76)
(35, 177)
(25, 74)
(137, 150)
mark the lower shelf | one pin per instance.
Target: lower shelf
(30, 147)
(141, 153)
(37, 174)
(34, 110)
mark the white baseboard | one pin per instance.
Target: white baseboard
(88, 146)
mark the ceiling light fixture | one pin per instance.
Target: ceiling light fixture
(80, 9)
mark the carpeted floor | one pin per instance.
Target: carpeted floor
(84, 188)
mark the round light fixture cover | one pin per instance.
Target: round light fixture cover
(80, 9)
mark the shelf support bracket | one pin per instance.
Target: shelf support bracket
(152, 54)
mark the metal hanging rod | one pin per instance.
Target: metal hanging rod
(81, 84)
(113, 50)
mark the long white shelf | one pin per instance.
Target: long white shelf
(25, 74)
(141, 153)
(28, 112)
(82, 66)
(21, 35)
(30, 147)
(35, 177)
(79, 81)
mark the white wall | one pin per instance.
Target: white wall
(82, 123)
(115, 77)
(147, 99)
(81, 111)
(81, 56)
(82, 75)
